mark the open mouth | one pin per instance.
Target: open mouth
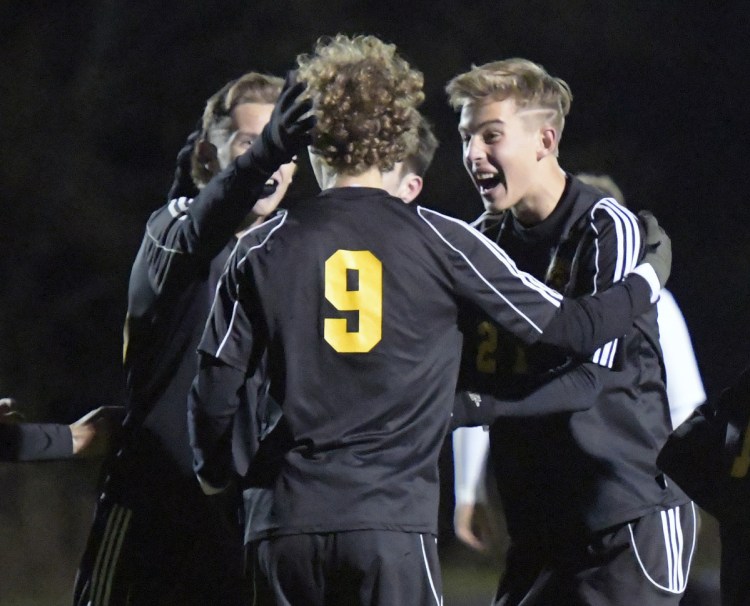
(269, 188)
(487, 181)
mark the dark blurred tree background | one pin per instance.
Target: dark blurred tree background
(96, 97)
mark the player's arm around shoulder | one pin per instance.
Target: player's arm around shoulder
(483, 273)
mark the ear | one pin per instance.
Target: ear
(411, 187)
(547, 141)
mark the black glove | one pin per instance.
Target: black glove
(287, 132)
(183, 184)
(658, 253)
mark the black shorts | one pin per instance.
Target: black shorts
(372, 567)
(646, 561)
(142, 558)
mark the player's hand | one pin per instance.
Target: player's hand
(658, 252)
(475, 526)
(95, 433)
(183, 184)
(8, 411)
(287, 132)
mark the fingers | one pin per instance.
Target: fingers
(192, 138)
(295, 119)
(301, 129)
(658, 249)
(109, 413)
(463, 525)
(656, 236)
(289, 96)
(654, 232)
(648, 220)
(299, 120)
(291, 78)
(468, 538)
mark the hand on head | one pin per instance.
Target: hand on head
(288, 131)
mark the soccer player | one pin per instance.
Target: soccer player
(89, 436)
(709, 455)
(157, 539)
(403, 181)
(354, 297)
(473, 524)
(591, 518)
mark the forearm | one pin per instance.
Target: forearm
(185, 235)
(35, 442)
(222, 206)
(573, 390)
(212, 403)
(583, 325)
(470, 448)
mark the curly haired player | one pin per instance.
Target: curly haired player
(591, 518)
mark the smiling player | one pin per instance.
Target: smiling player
(591, 518)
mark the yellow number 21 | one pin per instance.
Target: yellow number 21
(366, 298)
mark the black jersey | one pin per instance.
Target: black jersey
(35, 441)
(568, 473)
(172, 283)
(709, 456)
(355, 297)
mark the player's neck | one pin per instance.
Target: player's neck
(372, 177)
(538, 205)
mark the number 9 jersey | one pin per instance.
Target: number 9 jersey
(355, 298)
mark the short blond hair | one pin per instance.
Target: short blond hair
(524, 81)
(365, 98)
(252, 87)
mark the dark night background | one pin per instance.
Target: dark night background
(96, 97)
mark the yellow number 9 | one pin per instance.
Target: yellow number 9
(366, 299)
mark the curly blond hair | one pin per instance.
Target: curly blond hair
(526, 82)
(365, 98)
